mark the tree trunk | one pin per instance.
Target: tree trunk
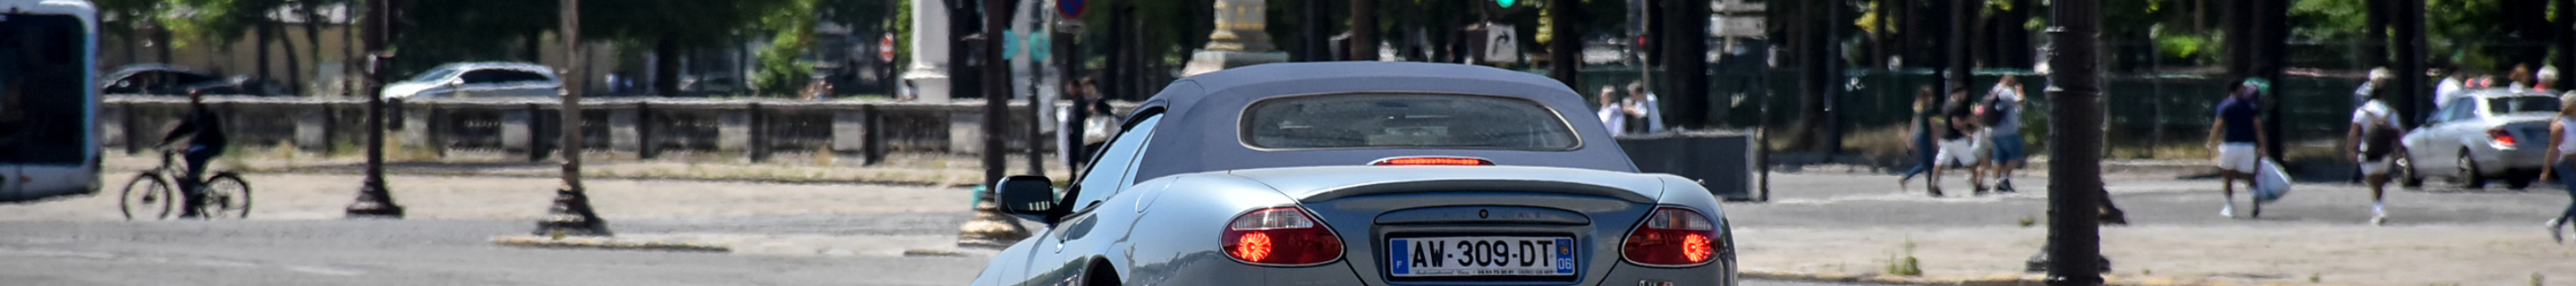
(313, 40)
(1363, 30)
(294, 68)
(259, 32)
(1565, 48)
(1685, 95)
(666, 67)
(2565, 42)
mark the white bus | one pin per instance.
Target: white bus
(48, 99)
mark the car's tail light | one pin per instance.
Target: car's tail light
(2502, 139)
(1280, 236)
(1673, 237)
(1449, 161)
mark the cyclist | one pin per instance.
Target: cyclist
(205, 132)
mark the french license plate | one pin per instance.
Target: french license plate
(1481, 256)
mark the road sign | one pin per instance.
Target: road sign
(1072, 9)
(885, 48)
(1501, 45)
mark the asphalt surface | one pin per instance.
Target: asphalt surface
(86, 250)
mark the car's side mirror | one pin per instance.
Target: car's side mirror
(1027, 197)
(455, 82)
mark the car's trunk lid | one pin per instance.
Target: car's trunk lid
(1372, 207)
(1315, 184)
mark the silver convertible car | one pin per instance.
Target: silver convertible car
(2494, 134)
(1364, 173)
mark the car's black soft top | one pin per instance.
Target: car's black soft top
(1202, 115)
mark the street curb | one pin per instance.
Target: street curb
(608, 243)
(2008, 279)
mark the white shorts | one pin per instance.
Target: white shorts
(2375, 167)
(1957, 152)
(2238, 157)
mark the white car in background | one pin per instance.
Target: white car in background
(2493, 134)
(489, 79)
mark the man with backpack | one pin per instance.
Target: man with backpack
(2003, 128)
(2374, 135)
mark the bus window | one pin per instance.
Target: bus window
(43, 97)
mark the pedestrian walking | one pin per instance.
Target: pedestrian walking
(1077, 132)
(2003, 131)
(2234, 134)
(2453, 81)
(1957, 145)
(1642, 107)
(2562, 155)
(2374, 135)
(1614, 115)
(1921, 135)
(2369, 89)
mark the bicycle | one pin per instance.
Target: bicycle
(151, 196)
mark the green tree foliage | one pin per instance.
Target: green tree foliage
(436, 32)
(215, 21)
(783, 67)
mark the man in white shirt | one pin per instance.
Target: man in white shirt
(1643, 104)
(1613, 115)
(2374, 133)
(2449, 88)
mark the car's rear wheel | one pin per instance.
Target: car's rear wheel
(1099, 274)
(2469, 178)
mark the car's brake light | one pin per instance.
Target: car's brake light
(2502, 138)
(1280, 236)
(1673, 237)
(1449, 161)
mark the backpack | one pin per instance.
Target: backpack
(2378, 140)
(1992, 110)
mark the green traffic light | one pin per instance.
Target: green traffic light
(1505, 3)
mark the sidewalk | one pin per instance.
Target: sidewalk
(2174, 255)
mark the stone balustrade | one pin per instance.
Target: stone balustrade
(643, 128)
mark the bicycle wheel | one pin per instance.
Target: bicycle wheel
(227, 196)
(147, 197)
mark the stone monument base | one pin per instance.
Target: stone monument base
(1206, 61)
(928, 86)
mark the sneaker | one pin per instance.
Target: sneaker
(2227, 211)
(2557, 230)
(2004, 186)
(1936, 191)
(2379, 218)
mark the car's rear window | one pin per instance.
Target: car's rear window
(1382, 120)
(2520, 104)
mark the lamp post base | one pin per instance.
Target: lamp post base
(990, 229)
(571, 216)
(374, 202)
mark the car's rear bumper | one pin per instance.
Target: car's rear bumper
(2500, 162)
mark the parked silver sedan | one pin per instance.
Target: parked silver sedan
(1364, 173)
(2487, 135)
(493, 79)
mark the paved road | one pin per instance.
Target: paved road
(79, 241)
(447, 252)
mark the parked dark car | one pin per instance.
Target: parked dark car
(172, 80)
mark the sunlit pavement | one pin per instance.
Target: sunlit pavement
(809, 234)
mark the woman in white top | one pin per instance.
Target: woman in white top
(2562, 155)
